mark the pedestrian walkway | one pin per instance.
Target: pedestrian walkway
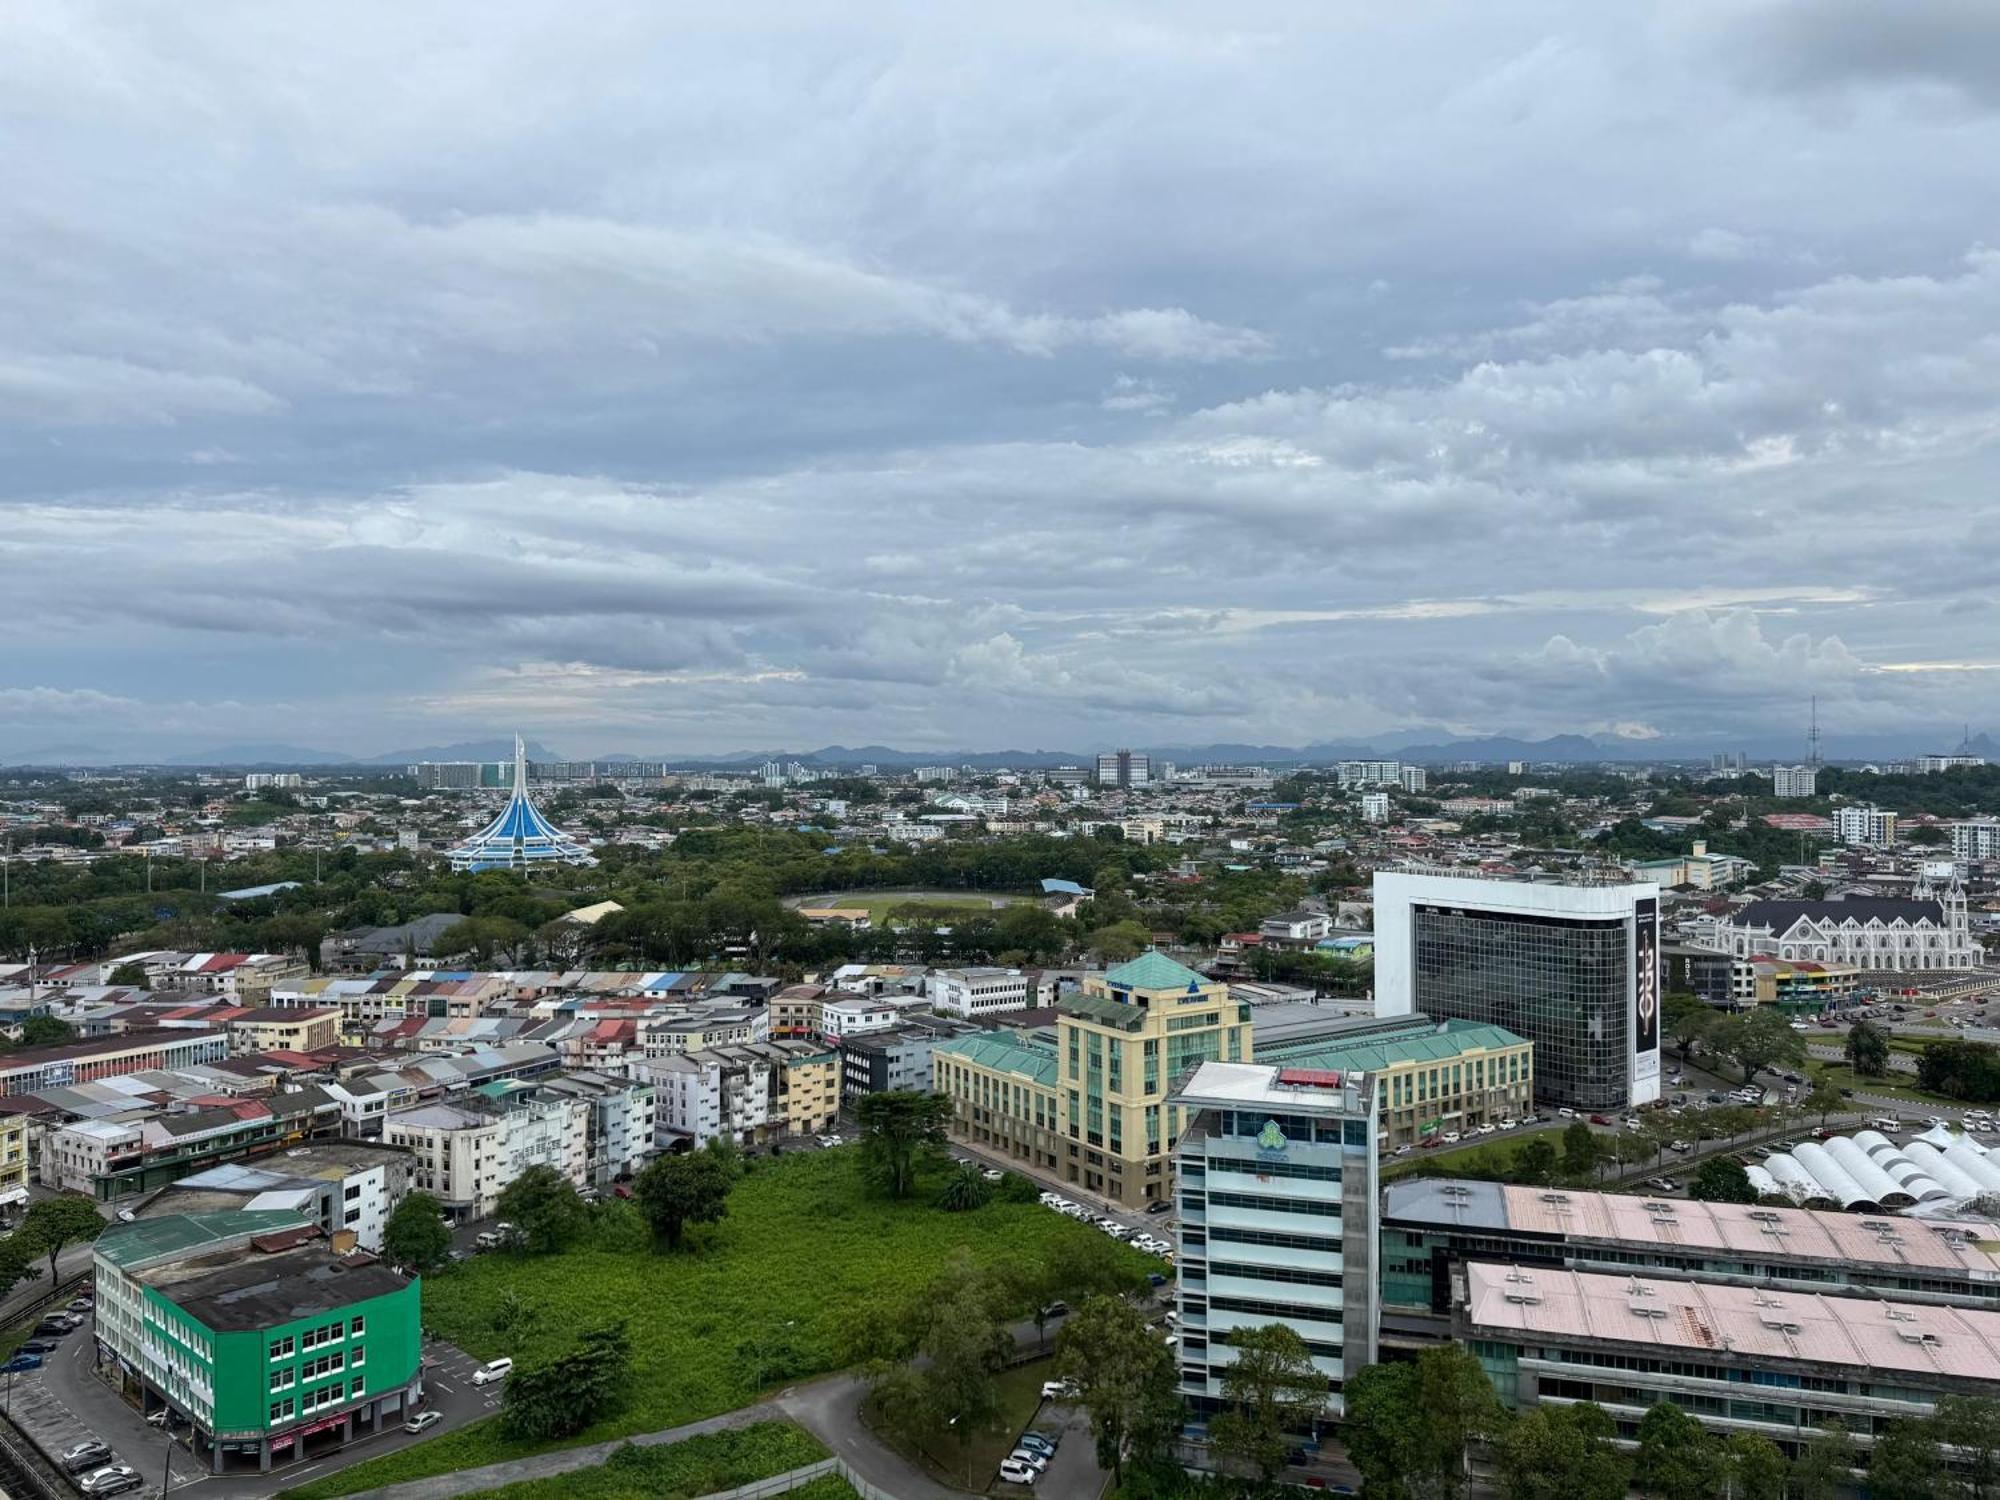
(562, 1461)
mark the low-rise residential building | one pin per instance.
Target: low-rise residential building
(850, 1015)
(13, 1163)
(1300, 928)
(272, 1345)
(896, 1059)
(622, 1122)
(752, 1093)
(285, 1028)
(467, 1152)
(361, 950)
(246, 978)
(795, 1011)
(980, 991)
(118, 1158)
(350, 1186)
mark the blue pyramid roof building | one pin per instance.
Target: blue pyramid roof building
(520, 836)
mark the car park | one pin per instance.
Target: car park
(492, 1370)
(21, 1362)
(1452, 1137)
(423, 1421)
(1033, 1458)
(112, 1479)
(38, 1346)
(1159, 1206)
(1018, 1473)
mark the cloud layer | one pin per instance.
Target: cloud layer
(687, 382)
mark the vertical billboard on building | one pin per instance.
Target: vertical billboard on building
(1645, 1000)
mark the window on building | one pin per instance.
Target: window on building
(356, 1328)
(282, 1348)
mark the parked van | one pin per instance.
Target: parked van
(492, 1370)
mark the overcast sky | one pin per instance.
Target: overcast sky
(688, 378)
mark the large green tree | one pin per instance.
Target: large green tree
(959, 1344)
(1970, 1427)
(1408, 1426)
(674, 1192)
(1722, 1179)
(1758, 1040)
(54, 1223)
(1867, 1049)
(1907, 1463)
(1125, 1377)
(559, 1399)
(416, 1234)
(1676, 1458)
(901, 1130)
(544, 1209)
(1270, 1391)
(1824, 1468)
(1687, 1019)
(1757, 1467)
(1563, 1453)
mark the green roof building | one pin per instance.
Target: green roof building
(250, 1327)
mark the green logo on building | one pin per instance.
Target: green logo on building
(1271, 1138)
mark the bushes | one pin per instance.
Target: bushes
(694, 1466)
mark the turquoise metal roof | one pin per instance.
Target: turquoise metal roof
(1004, 1052)
(1433, 1044)
(1153, 970)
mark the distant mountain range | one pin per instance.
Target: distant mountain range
(1417, 746)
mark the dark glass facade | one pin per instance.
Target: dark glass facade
(1564, 983)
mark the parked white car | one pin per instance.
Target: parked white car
(492, 1370)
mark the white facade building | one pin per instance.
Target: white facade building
(850, 1015)
(1370, 772)
(1794, 781)
(978, 991)
(1573, 968)
(1931, 931)
(1976, 838)
(1375, 807)
(1279, 1219)
(700, 1096)
(1865, 825)
(1415, 779)
(467, 1153)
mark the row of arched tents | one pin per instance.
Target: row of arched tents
(1939, 1172)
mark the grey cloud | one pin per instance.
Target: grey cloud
(715, 379)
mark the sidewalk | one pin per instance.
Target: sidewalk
(562, 1461)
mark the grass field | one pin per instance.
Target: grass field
(1894, 1086)
(698, 1465)
(799, 1279)
(881, 903)
(1478, 1157)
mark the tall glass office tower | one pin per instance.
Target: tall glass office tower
(1573, 968)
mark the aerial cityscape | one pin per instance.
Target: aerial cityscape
(1102, 752)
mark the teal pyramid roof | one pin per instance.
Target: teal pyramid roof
(1153, 971)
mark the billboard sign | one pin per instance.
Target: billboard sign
(1646, 1000)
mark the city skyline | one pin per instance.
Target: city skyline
(1138, 375)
